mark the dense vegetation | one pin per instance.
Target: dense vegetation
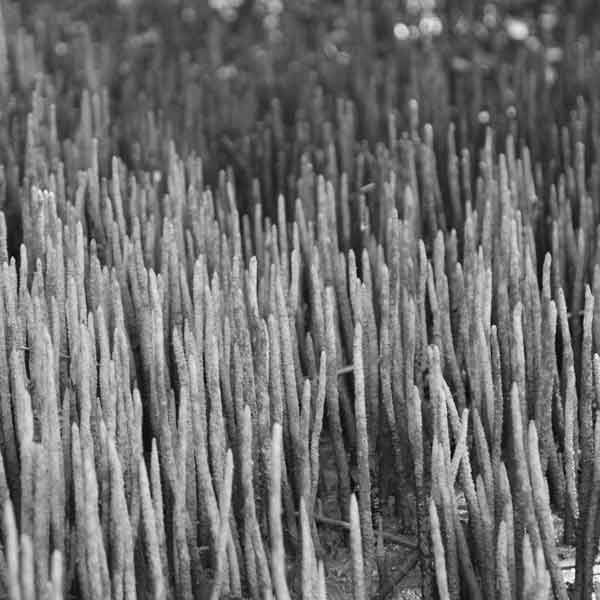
(283, 282)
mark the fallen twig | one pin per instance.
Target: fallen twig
(393, 538)
(396, 578)
(569, 563)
